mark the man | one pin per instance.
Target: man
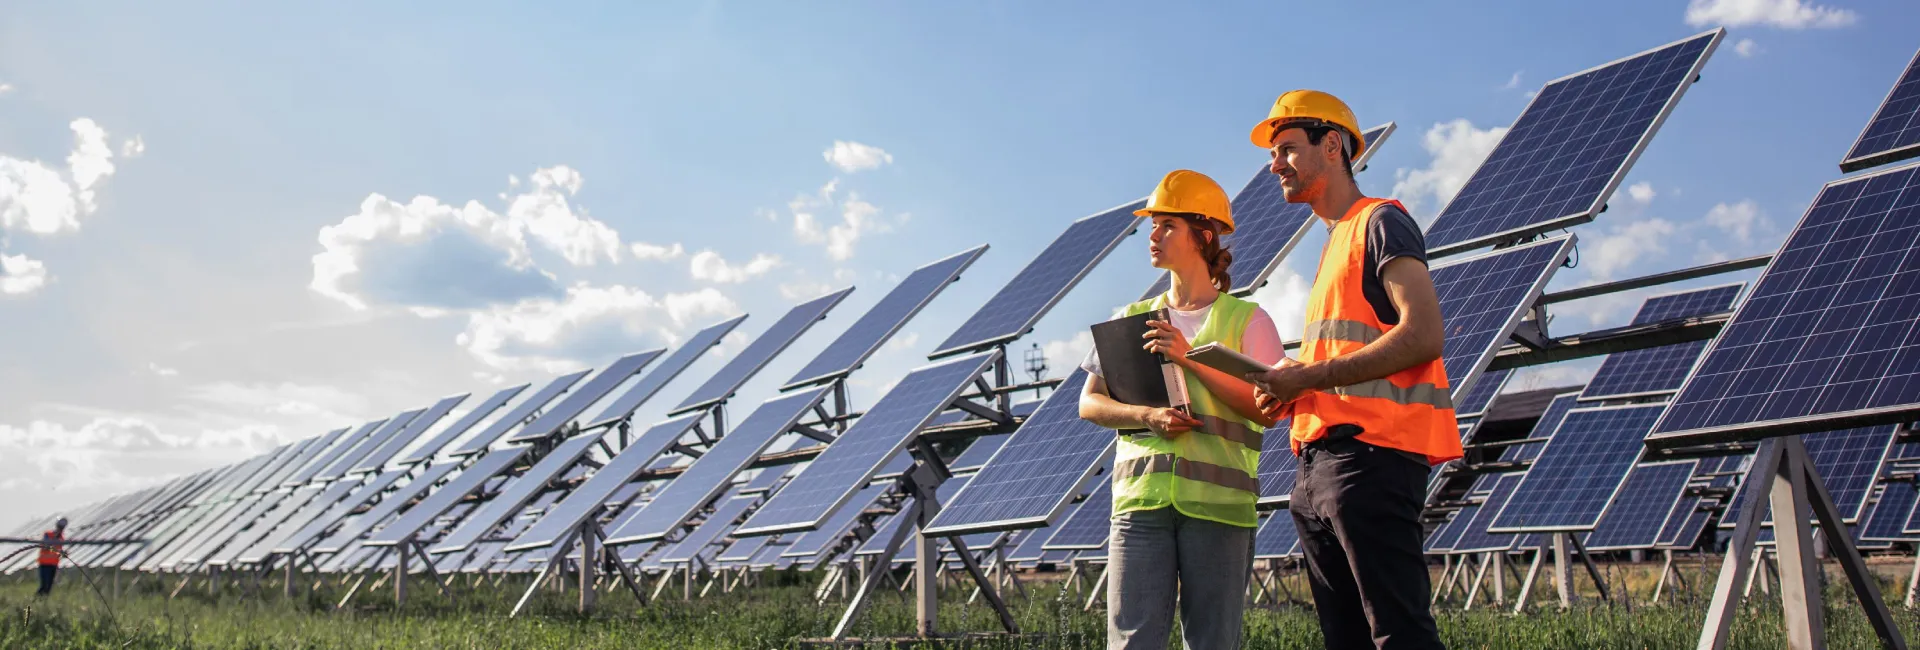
(1368, 397)
(50, 550)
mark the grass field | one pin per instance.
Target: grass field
(779, 615)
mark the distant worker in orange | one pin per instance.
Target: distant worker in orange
(52, 544)
(1369, 397)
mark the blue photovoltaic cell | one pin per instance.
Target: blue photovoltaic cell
(1047, 462)
(1689, 519)
(1827, 338)
(1028, 549)
(1278, 465)
(977, 453)
(1560, 161)
(1475, 536)
(415, 427)
(712, 471)
(1033, 291)
(514, 495)
(742, 550)
(671, 367)
(352, 530)
(1266, 226)
(1448, 533)
(1577, 473)
(1476, 401)
(1089, 525)
(884, 529)
(771, 343)
(577, 401)
(1894, 132)
(878, 436)
(1847, 460)
(426, 451)
(841, 523)
(1483, 298)
(586, 501)
(1888, 520)
(341, 447)
(1659, 370)
(518, 414)
(1542, 428)
(885, 318)
(715, 526)
(1638, 513)
(1277, 537)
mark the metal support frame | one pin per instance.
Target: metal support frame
(592, 538)
(920, 483)
(1795, 492)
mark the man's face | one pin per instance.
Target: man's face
(1302, 167)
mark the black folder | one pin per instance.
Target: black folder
(1134, 375)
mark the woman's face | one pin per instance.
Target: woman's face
(1174, 242)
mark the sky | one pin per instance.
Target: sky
(224, 227)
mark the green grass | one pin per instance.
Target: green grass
(776, 615)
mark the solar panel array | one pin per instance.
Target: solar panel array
(415, 426)
(1887, 521)
(1030, 481)
(748, 362)
(586, 500)
(1278, 466)
(1659, 370)
(519, 413)
(1563, 157)
(885, 318)
(1543, 428)
(351, 531)
(1482, 299)
(428, 449)
(1088, 527)
(514, 495)
(1689, 519)
(1894, 132)
(580, 399)
(878, 436)
(1476, 401)
(1035, 289)
(669, 368)
(1277, 537)
(1577, 473)
(1824, 341)
(1637, 515)
(1848, 461)
(1476, 534)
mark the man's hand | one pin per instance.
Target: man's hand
(1275, 389)
(1169, 423)
(1167, 341)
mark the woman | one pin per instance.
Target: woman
(1184, 491)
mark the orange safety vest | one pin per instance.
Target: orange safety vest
(1410, 410)
(50, 548)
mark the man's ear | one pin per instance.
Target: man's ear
(1333, 146)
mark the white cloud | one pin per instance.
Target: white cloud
(1285, 299)
(851, 157)
(857, 219)
(1746, 48)
(5, 88)
(39, 199)
(644, 251)
(1513, 82)
(1737, 219)
(91, 160)
(47, 466)
(1457, 148)
(1065, 355)
(309, 402)
(903, 342)
(21, 275)
(1641, 192)
(1785, 14)
(534, 333)
(133, 147)
(1625, 245)
(804, 289)
(1573, 373)
(162, 371)
(709, 266)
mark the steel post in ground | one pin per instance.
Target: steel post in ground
(587, 591)
(1526, 585)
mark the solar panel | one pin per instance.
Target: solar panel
(518, 414)
(1660, 370)
(1825, 340)
(293, 465)
(1483, 298)
(837, 527)
(341, 446)
(1266, 226)
(886, 317)
(415, 427)
(375, 440)
(576, 402)
(1688, 520)
(586, 500)
(884, 529)
(1475, 402)
(1542, 428)
(877, 437)
(314, 527)
(1893, 134)
(515, 495)
(1637, 514)
(771, 343)
(297, 519)
(709, 474)
(351, 531)
(1277, 537)
(1028, 550)
(1278, 466)
(426, 451)
(675, 363)
(1848, 460)
(1578, 472)
(1448, 533)
(742, 550)
(423, 513)
(716, 525)
(244, 539)
(1035, 289)
(1045, 464)
(977, 453)
(1476, 535)
(1090, 523)
(1888, 520)
(1567, 152)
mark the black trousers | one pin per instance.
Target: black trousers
(1357, 507)
(46, 579)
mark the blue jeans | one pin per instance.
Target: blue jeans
(1160, 557)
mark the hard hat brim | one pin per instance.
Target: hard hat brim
(1264, 132)
(1225, 228)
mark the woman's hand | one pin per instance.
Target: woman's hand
(1167, 341)
(1169, 423)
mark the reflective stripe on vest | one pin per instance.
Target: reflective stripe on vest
(1410, 410)
(1210, 472)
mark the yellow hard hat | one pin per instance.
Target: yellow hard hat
(1307, 108)
(1184, 191)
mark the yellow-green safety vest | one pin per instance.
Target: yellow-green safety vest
(1210, 472)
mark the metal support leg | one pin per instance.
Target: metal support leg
(400, 576)
(1562, 571)
(1599, 583)
(588, 560)
(1526, 586)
